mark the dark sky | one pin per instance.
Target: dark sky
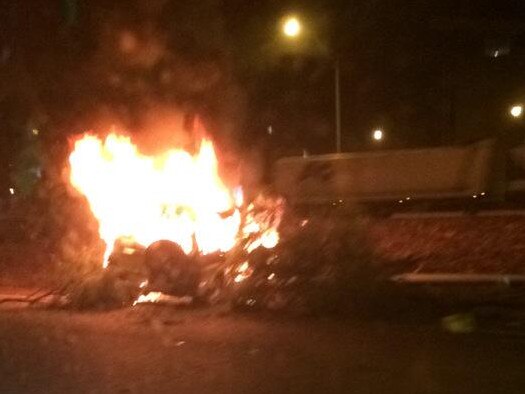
(421, 70)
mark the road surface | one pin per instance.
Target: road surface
(153, 349)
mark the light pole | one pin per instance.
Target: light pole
(337, 108)
(291, 29)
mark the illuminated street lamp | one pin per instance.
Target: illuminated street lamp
(377, 135)
(292, 28)
(516, 111)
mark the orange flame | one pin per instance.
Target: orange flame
(175, 196)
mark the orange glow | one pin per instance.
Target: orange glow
(173, 196)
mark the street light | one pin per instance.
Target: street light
(377, 135)
(516, 111)
(292, 28)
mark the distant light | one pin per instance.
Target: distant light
(292, 27)
(474, 196)
(497, 49)
(408, 198)
(35, 131)
(271, 276)
(516, 111)
(11, 190)
(270, 130)
(401, 201)
(377, 135)
(482, 193)
(305, 153)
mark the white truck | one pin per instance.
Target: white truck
(453, 172)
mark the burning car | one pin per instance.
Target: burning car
(169, 221)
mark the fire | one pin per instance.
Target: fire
(175, 196)
(153, 296)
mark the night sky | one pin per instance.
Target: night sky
(431, 73)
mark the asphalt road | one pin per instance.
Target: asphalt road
(161, 350)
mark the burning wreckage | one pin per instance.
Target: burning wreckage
(174, 232)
